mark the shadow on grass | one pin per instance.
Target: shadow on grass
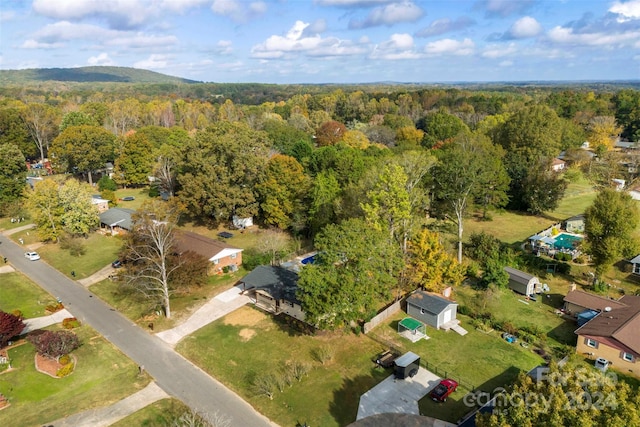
(292, 326)
(344, 407)
(552, 300)
(564, 333)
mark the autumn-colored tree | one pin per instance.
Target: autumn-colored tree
(409, 137)
(430, 266)
(43, 203)
(10, 326)
(124, 115)
(356, 139)
(54, 344)
(282, 190)
(603, 131)
(330, 133)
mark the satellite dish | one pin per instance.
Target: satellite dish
(607, 309)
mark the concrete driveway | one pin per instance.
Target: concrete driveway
(397, 396)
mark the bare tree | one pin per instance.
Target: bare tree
(194, 418)
(40, 120)
(149, 246)
(165, 170)
(274, 242)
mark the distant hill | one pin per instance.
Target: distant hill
(87, 74)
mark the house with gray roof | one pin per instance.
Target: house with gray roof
(274, 289)
(116, 219)
(432, 309)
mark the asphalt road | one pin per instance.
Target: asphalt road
(172, 372)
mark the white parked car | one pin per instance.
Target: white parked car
(32, 256)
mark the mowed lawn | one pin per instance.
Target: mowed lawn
(103, 375)
(248, 343)
(17, 292)
(477, 360)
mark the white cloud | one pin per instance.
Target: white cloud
(294, 42)
(497, 51)
(399, 46)
(7, 15)
(525, 27)
(445, 25)
(389, 15)
(33, 44)
(566, 36)
(237, 10)
(140, 40)
(351, 3)
(506, 63)
(101, 59)
(224, 47)
(119, 13)
(152, 62)
(626, 11)
(450, 47)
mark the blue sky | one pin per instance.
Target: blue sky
(330, 41)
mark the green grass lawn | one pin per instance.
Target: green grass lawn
(100, 251)
(158, 414)
(17, 292)
(182, 305)
(248, 342)
(140, 194)
(476, 360)
(103, 376)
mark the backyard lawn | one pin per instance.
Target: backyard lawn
(103, 376)
(477, 360)
(158, 414)
(247, 344)
(19, 293)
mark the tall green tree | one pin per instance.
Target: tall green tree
(222, 166)
(465, 167)
(80, 216)
(13, 172)
(13, 130)
(440, 126)
(610, 224)
(355, 271)
(134, 160)
(77, 118)
(83, 148)
(325, 193)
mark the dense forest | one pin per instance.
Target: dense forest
(327, 162)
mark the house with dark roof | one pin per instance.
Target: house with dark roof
(577, 301)
(116, 220)
(432, 309)
(575, 224)
(613, 335)
(523, 283)
(220, 254)
(635, 262)
(274, 289)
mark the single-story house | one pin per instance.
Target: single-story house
(219, 253)
(116, 219)
(242, 223)
(575, 224)
(523, 283)
(577, 301)
(274, 289)
(634, 192)
(101, 204)
(613, 335)
(432, 309)
(558, 165)
(636, 263)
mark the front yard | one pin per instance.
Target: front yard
(19, 293)
(243, 347)
(103, 375)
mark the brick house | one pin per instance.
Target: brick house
(613, 335)
(219, 253)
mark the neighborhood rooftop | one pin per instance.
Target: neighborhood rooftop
(430, 302)
(202, 245)
(591, 301)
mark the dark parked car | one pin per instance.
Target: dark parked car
(116, 264)
(443, 390)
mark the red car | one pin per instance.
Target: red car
(443, 390)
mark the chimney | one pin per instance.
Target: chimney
(572, 287)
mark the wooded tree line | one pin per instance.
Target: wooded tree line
(333, 165)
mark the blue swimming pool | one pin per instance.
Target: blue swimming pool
(566, 241)
(309, 260)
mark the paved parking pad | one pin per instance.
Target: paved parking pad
(397, 396)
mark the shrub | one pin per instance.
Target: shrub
(73, 245)
(70, 323)
(106, 183)
(323, 354)
(226, 269)
(580, 260)
(54, 343)
(52, 308)
(252, 259)
(510, 328)
(65, 370)
(65, 359)
(563, 268)
(465, 310)
(17, 313)
(10, 326)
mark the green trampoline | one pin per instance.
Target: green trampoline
(411, 329)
